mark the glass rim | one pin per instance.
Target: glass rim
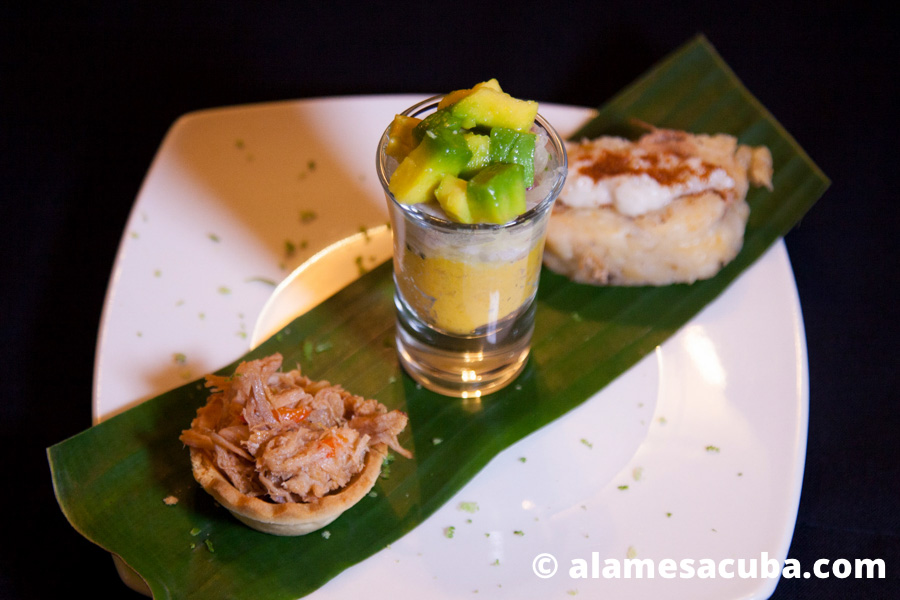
(447, 224)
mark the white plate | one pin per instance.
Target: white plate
(194, 286)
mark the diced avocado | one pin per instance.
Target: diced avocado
(458, 95)
(490, 83)
(489, 108)
(474, 155)
(496, 194)
(441, 152)
(480, 145)
(514, 147)
(400, 136)
(441, 119)
(451, 195)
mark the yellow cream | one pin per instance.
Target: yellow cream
(460, 295)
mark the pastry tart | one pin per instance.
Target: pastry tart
(285, 454)
(289, 518)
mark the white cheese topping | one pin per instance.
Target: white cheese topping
(633, 180)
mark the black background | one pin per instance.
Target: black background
(88, 92)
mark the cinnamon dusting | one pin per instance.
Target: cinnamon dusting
(666, 169)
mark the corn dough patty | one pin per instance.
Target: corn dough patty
(668, 208)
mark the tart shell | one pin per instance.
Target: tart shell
(290, 518)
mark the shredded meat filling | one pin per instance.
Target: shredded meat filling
(284, 438)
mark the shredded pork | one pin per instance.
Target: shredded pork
(283, 437)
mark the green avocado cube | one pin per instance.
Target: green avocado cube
(400, 137)
(436, 121)
(514, 147)
(441, 152)
(480, 145)
(451, 195)
(496, 194)
(486, 107)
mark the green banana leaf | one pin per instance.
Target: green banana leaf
(110, 479)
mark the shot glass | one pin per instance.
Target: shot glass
(465, 293)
